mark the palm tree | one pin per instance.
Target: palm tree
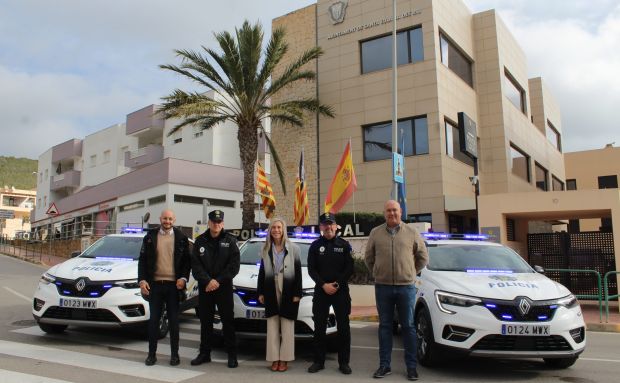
(242, 74)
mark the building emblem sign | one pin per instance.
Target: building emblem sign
(367, 25)
(337, 11)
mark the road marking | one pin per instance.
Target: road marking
(12, 376)
(358, 325)
(10, 290)
(100, 363)
(600, 360)
(190, 326)
(102, 340)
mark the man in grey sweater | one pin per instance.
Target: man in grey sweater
(395, 253)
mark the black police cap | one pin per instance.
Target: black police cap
(216, 215)
(327, 217)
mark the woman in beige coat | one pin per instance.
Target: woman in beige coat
(280, 290)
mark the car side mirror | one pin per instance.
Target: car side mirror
(539, 269)
(75, 254)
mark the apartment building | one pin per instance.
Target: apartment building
(126, 174)
(449, 61)
(15, 208)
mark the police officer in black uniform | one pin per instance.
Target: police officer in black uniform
(330, 265)
(215, 262)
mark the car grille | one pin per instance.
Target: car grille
(522, 343)
(96, 315)
(248, 296)
(69, 288)
(539, 311)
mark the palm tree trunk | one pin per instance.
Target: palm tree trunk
(248, 146)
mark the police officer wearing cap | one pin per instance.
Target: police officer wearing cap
(330, 265)
(215, 262)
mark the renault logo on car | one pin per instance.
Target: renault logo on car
(81, 283)
(524, 306)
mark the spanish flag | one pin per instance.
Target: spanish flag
(301, 209)
(266, 192)
(343, 184)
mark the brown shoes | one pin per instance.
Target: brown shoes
(279, 365)
(283, 366)
(274, 366)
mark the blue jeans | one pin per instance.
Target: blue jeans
(402, 298)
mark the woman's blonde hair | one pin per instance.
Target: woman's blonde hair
(268, 240)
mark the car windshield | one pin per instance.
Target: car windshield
(475, 258)
(250, 252)
(115, 247)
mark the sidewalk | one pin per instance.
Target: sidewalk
(363, 308)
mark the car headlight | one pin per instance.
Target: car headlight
(47, 278)
(444, 298)
(128, 284)
(308, 292)
(568, 301)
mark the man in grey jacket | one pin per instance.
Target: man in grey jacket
(395, 253)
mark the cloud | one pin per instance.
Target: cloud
(575, 50)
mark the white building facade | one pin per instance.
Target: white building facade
(126, 174)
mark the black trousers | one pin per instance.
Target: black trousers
(341, 302)
(164, 293)
(223, 299)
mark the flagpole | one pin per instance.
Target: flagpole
(351, 154)
(394, 99)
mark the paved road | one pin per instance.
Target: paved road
(95, 355)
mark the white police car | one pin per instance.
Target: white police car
(483, 299)
(249, 314)
(99, 288)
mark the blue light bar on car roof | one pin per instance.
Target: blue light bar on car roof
(263, 234)
(131, 230)
(471, 237)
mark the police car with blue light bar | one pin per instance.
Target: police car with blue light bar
(482, 299)
(249, 314)
(99, 288)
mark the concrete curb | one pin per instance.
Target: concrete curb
(364, 318)
(30, 260)
(603, 327)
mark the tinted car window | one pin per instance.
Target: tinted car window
(475, 258)
(250, 252)
(115, 247)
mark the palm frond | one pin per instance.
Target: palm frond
(276, 160)
(292, 69)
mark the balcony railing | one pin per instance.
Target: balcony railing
(69, 179)
(144, 156)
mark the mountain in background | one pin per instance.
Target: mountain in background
(18, 172)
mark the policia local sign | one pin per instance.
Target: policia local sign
(346, 230)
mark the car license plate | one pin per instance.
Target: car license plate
(78, 303)
(525, 329)
(255, 314)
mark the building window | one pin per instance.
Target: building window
(453, 57)
(453, 148)
(177, 140)
(553, 136)
(520, 163)
(541, 177)
(131, 206)
(571, 184)
(106, 156)
(514, 92)
(608, 182)
(46, 174)
(198, 200)
(573, 226)
(93, 160)
(377, 53)
(378, 138)
(557, 184)
(510, 230)
(198, 131)
(424, 217)
(156, 200)
(40, 177)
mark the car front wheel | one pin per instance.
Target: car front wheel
(426, 346)
(560, 363)
(52, 328)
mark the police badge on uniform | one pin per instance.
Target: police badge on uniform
(322, 249)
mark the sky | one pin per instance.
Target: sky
(69, 68)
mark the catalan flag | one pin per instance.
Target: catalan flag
(343, 184)
(266, 192)
(301, 209)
